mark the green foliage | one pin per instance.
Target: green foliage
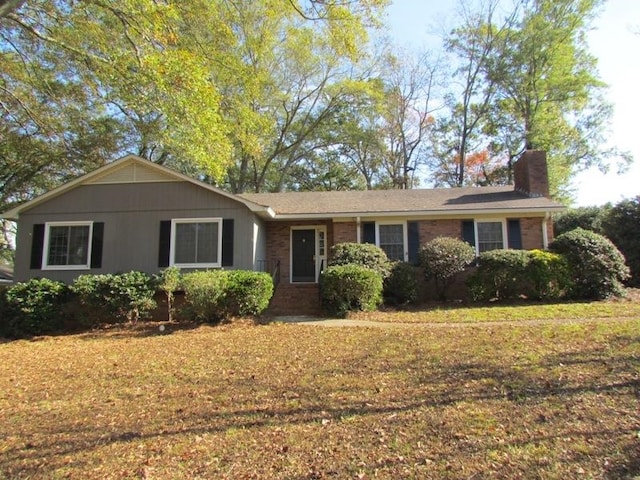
(123, 296)
(597, 267)
(622, 226)
(501, 274)
(247, 293)
(168, 282)
(443, 258)
(588, 218)
(401, 286)
(350, 287)
(204, 293)
(547, 274)
(364, 254)
(34, 307)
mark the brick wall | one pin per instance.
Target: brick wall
(530, 174)
(430, 229)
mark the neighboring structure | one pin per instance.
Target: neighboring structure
(136, 215)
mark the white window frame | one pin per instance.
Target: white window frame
(502, 221)
(172, 246)
(405, 236)
(47, 236)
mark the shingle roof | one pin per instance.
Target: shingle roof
(439, 201)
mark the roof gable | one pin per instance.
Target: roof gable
(130, 169)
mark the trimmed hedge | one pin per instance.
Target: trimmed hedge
(35, 307)
(443, 258)
(350, 287)
(214, 295)
(248, 293)
(125, 296)
(363, 254)
(401, 286)
(597, 267)
(501, 274)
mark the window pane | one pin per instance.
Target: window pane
(58, 245)
(196, 243)
(185, 248)
(68, 245)
(392, 241)
(78, 244)
(490, 236)
(207, 248)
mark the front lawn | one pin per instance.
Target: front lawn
(303, 402)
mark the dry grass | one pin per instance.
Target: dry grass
(300, 402)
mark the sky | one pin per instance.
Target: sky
(419, 24)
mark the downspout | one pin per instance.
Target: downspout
(358, 239)
(545, 232)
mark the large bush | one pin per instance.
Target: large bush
(350, 287)
(247, 293)
(501, 274)
(443, 258)
(401, 286)
(34, 307)
(597, 267)
(123, 296)
(588, 218)
(204, 293)
(622, 226)
(363, 254)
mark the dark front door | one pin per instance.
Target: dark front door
(303, 255)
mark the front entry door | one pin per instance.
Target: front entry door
(303, 255)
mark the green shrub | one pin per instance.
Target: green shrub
(247, 293)
(350, 287)
(123, 296)
(363, 254)
(501, 274)
(547, 275)
(401, 286)
(589, 218)
(597, 267)
(34, 307)
(443, 258)
(204, 294)
(168, 282)
(622, 227)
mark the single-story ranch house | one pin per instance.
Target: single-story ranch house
(133, 214)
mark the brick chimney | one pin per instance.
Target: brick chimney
(530, 174)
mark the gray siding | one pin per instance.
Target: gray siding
(132, 214)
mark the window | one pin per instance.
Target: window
(391, 239)
(196, 242)
(67, 246)
(490, 235)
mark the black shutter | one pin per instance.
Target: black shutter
(227, 242)
(468, 232)
(96, 244)
(413, 237)
(164, 244)
(369, 232)
(514, 235)
(37, 245)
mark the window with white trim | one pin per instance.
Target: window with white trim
(196, 242)
(67, 245)
(391, 238)
(490, 235)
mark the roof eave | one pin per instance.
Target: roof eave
(422, 213)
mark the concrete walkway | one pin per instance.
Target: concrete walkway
(345, 322)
